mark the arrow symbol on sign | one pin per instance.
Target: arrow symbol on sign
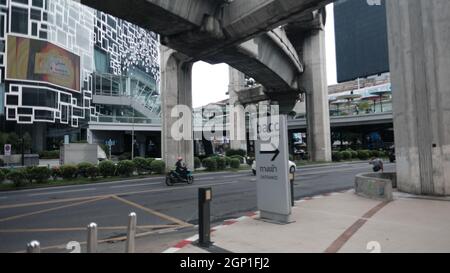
(275, 153)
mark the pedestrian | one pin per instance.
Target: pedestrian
(377, 164)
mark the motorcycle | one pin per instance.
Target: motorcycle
(175, 178)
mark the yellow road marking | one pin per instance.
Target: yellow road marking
(51, 202)
(30, 230)
(161, 215)
(121, 238)
(109, 195)
(51, 209)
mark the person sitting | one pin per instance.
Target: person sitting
(181, 168)
(377, 164)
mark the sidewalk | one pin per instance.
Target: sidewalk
(339, 222)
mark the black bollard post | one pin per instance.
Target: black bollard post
(291, 179)
(204, 218)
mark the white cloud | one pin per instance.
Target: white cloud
(210, 82)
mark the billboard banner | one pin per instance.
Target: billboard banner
(36, 60)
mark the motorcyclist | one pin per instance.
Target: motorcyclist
(181, 168)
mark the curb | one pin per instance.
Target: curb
(250, 215)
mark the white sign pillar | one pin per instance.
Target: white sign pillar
(272, 161)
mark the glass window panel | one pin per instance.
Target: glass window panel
(19, 20)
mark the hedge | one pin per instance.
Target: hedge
(241, 158)
(346, 155)
(140, 164)
(83, 167)
(158, 167)
(125, 167)
(17, 177)
(38, 174)
(197, 163)
(107, 168)
(221, 163)
(93, 172)
(231, 153)
(55, 172)
(363, 154)
(210, 164)
(149, 164)
(68, 171)
(2, 176)
(336, 156)
(235, 163)
(49, 154)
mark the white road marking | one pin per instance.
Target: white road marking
(56, 192)
(232, 176)
(135, 185)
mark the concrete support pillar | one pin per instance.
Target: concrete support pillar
(39, 136)
(176, 89)
(419, 40)
(237, 83)
(314, 81)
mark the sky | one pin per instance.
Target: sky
(210, 82)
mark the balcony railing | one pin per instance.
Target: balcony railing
(126, 120)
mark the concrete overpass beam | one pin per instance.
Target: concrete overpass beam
(176, 89)
(314, 81)
(419, 62)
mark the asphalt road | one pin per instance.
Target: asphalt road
(56, 216)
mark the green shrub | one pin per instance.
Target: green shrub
(354, 154)
(336, 156)
(235, 163)
(210, 164)
(125, 167)
(374, 153)
(83, 167)
(346, 155)
(68, 171)
(141, 165)
(2, 163)
(28, 173)
(197, 163)
(363, 154)
(17, 177)
(221, 163)
(92, 172)
(240, 158)
(55, 172)
(158, 167)
(228, 161)
(231, 153)
(40, 174)
(107, 168)
(148, 164)
(2, 176)
(49, 154)
(125, 156)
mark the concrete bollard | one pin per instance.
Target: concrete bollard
(34, 247)
(92, 238)
(131, 233)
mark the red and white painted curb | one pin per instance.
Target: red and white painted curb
(250, 215)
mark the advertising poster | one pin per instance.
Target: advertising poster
(36, 60)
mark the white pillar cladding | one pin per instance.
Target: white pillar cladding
(419, 40)
(314, 81)
(176, 89)
(237, 83)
